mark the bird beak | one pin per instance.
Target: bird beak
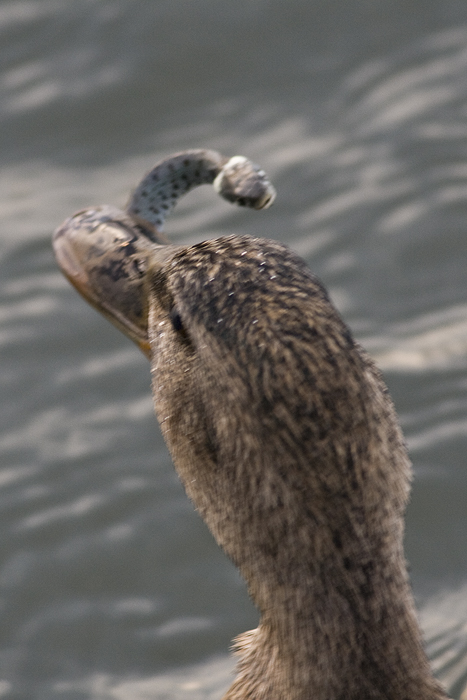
(106, 256)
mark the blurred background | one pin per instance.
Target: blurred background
(111, 588)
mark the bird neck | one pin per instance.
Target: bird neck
(340, 627)
(318, 537)
(324, 563)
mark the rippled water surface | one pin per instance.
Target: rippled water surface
(110, 585)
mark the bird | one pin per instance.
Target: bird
(280, 428)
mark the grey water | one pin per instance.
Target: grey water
(111, 587)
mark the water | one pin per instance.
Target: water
(110, 585)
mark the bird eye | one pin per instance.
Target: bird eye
(176, 321)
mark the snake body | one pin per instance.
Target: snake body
(236, 179)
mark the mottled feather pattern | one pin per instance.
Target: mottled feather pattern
(287, 442)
